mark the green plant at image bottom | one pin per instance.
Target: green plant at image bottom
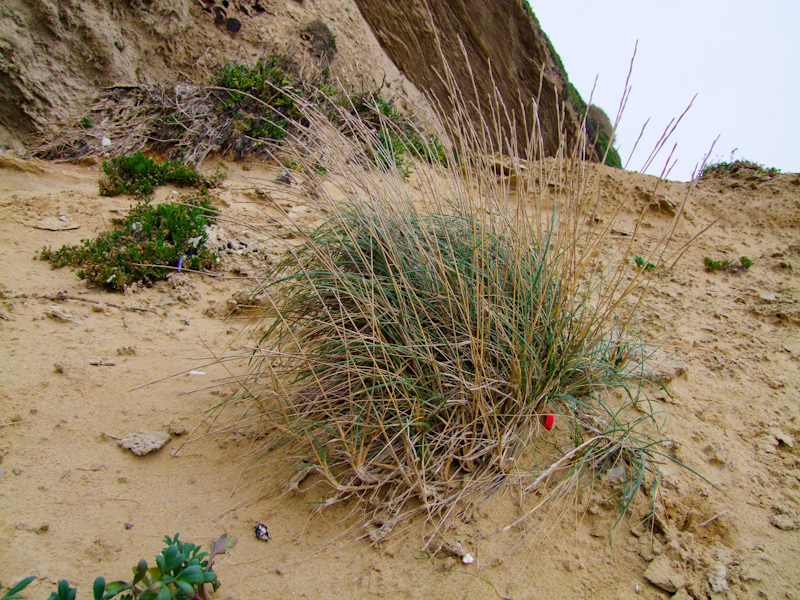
(151, 239)
(13, 592)
(140, 174)
(182, 572)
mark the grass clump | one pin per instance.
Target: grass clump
(139, 174)
(409, 355)
(151, 241)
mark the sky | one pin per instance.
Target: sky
(741, 60)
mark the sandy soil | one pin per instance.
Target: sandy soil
(74, 505)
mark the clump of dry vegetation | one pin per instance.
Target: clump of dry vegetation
(410, 347)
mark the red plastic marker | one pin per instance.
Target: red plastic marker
(549, 421)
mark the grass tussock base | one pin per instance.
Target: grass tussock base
(410, 347)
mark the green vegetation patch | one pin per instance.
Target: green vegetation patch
(150, 242)
(182, 572)
(396, 136)
(737, 168)
(139, 174)
(712, 265)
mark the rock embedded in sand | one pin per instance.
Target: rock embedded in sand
(144, 442)
(784, 522)
(58, 313)
(663, 574)
(101, 361)
(55, 224)
(718, 578)
(781, 437)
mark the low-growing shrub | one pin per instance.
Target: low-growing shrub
(140, 174)
(738, 169)
(151, 239)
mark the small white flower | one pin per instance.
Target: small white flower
(136, 226)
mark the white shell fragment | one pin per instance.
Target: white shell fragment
(467, 559)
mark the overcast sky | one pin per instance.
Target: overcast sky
(742, 59)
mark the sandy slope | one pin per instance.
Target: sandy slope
(74, 505)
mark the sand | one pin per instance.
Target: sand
(81, 369)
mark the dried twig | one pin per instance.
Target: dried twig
(62, 296)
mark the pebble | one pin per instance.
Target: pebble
(783, 522)
(101, 361)
(718, 578)
(144, 442)
(16, 470)
(663, 574)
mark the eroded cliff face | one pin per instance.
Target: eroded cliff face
(56, 56)
(486, 45)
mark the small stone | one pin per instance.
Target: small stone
(467, 559)
(233, 25)
(128, 525)
(718, 578)
(58, 366)
(453, 548)
(784, 522)
(682, 595)
(768, 297)
(16, 470)
(782, 437)
(2, 472)
(58, 313)
(101, 361)
(144, 442)
(663, 574)
(55, 224)
(176, 428)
